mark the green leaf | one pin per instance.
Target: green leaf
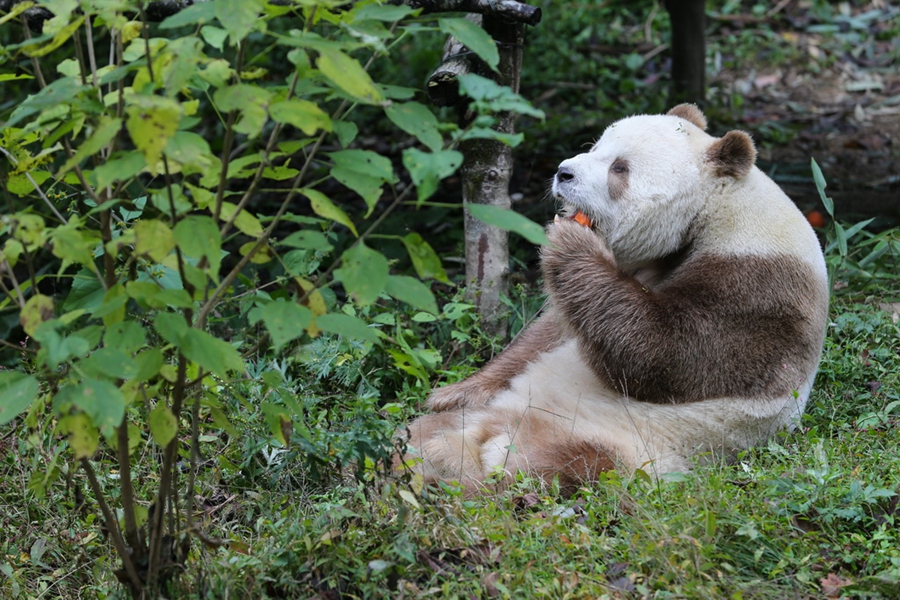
(171, 326)
(103, 402)
(279, 422)
(109, 362)
(489, 96)
(415, 119)
(83, 436)
(485, 133)
(348, 75)
(200, 12)
(364, 172)
(147, 364)
(325, 208)
(59, 38)
(425, 260)
(38, 309)
(346, 132)
(284, 320)
(347, 326)
(364, 274)
(190, 150)
(508, 220)
(152, 122)
(302, 114)
(123, 167)
(819, 178)
(214, 36)
(211, 353)
(842, 237)
(245, 221)
(163, 424)
(17, 392)
(383, 12)
(199, 237)
(106, 130)
(308, 240)
(251, 100)
(409, 498)
(239, 17)
(74, 245)
(428, 168)
(154, 239)
(60, 92)
(412, 291)
(57, 349)
(127, 336)
(474, 38)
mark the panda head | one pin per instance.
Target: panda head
(648, 177)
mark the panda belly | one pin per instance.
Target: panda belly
(557, 402)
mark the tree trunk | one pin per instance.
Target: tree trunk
(486, 174)
(688, 50)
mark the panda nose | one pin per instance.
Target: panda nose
(564, 174)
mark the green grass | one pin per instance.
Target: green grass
(816, 503)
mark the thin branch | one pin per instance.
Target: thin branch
(127, 498)
(113, 526)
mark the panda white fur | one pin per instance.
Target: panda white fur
(686, 322)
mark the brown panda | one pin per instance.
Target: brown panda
(687, 320)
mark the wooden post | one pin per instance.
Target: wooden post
(688, 19)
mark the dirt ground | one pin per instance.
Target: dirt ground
(804, 92)
(846, 116)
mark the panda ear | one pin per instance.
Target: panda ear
(690, 113)
(732, 155)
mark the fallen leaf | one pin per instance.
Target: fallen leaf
(831, 585)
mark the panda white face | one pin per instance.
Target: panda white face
(642, 184)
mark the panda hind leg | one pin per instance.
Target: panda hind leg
(538, 448)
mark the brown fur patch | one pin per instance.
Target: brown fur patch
(691, 113)
(732, 155)
(574, 461)
(542, 448)
(542, 336)
(714, 326)
(618, 179)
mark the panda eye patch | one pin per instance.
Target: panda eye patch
(619, 167)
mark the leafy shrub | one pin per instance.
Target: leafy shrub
(184, 196)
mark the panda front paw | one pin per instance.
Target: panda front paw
(573, 251)
(469, 393)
